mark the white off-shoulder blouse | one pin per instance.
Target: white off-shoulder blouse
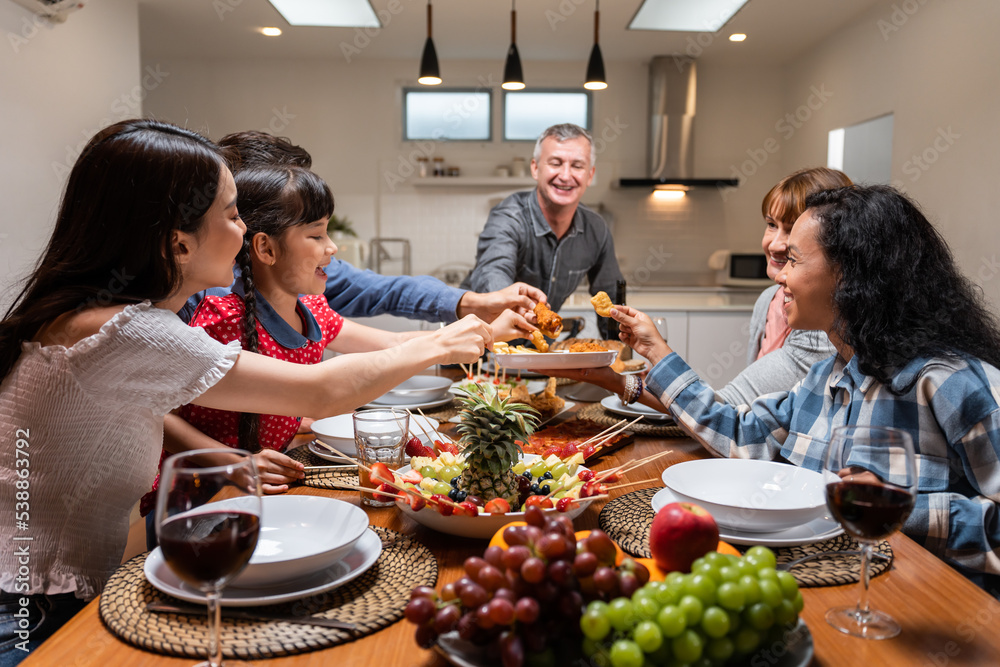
(86, 423)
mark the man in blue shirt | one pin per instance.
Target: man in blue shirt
(355, 293)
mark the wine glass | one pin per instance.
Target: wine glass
(207, 523)
(871, 484)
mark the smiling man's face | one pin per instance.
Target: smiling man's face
(563, 171)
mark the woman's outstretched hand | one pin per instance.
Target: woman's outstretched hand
(638, 332)
(463, 341)
(277, 471)
(510, 325)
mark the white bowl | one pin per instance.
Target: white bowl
(338, 432)
(299, 536)
(418, 389)
(482, 526)
(749, 495)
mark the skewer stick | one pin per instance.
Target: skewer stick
(420, 426)
(631, 465)
(616, 432)
(589, 498)
(479, 366)
(374, 492)
(439, 434)
(604, 432)
(641, 481)
(344, 467)
(336, 452)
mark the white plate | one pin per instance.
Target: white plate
(567, 405)
(797, 652)
(417, 389)
(488, 368)
(356, 563)
(814, 531)
(414, 406)
(556, 360)
(482, 526)
(534, 386)
(614, 404)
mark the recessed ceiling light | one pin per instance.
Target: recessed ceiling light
(669, 195)
(737, 37)
(342, 13)
(684, 15)
(270, 32)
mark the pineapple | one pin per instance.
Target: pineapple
(490, 427)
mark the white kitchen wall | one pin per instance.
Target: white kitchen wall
(934, 65)
(61, 83)
(349, 117)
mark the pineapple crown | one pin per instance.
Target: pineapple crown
(491, 426)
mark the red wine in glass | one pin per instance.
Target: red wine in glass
(868, 511)
(208, 549)
(208, 520)
(871, 485)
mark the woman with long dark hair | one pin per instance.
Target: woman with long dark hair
(917, 349)
(92, 357)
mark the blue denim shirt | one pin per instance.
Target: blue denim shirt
(518, 244)
(356, 293)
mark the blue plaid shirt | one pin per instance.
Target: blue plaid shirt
(951, 412)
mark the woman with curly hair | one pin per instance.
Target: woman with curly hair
(917, 349)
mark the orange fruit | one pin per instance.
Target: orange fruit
(726, 548)
(655, 573)
(619, 554)
(497, 539)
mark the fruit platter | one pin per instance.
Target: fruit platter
(473, 487)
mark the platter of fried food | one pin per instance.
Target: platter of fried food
(506, 356)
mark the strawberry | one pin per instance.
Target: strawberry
(385, 488)
(497, 506)
(380, 473)
(539, 501)
(413, 477)
(468, 509)
(415, 448)
(564, 504)
(449, 447)
(417, 502)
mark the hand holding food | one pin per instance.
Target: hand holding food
(548, 321)
(602, 304)
(510, 324)
(638, 332)
(463, 341)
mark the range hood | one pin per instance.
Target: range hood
(672, 93)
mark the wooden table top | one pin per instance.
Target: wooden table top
(946, 620)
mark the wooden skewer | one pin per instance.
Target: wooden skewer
(344, 467)
(374, 492)
(439, 434)
(589, 498)
(604, 432)
(629, 466)
(421, 427)
(642, 481)
(336, 452)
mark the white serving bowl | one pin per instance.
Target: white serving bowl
(418, 389)
(300, 536)
(482, 526)
(338, 432)
(749, 495)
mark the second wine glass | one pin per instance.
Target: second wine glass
(871, 485)
(207, 523)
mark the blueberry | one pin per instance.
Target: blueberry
(545, 490)
(454, 481)
(453, 494)
(460, 496)
(526, 474)
(533, 489)
(547, 475)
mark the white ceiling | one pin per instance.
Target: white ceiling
(777, 30)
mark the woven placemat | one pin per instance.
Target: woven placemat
(323, 479)
(627, 519)
(596, 412)
(373, 601)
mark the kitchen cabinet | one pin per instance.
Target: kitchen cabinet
(717, 345)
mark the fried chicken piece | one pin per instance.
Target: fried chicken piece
(602, 304)
(549, 322)
(539, 340)
(547, 403)
(587, 346)
(519, 394)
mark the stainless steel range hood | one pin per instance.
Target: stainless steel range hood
(672, 100)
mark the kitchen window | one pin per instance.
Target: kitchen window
(454, 114)
(527, 114)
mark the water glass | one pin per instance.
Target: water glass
(381, 436)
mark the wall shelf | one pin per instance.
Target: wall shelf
(497, 182)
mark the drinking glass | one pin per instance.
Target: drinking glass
(381, 436)
(871, 484)
(661, 326)
(207, 523)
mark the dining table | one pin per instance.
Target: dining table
(946, 620)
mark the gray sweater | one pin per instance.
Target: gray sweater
(782, 368)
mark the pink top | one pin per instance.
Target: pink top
(776, 327)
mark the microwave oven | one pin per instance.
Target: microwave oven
(740, 269)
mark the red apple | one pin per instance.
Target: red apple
(680, 534)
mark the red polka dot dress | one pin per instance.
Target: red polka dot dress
(222, 318)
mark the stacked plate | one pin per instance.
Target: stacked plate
(420, 391)
(753, 502)
(307, 545)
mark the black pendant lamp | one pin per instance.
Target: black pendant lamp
(596, 80)
(430, 72)
(513, 77)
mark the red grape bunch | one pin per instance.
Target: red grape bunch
(529, 597)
